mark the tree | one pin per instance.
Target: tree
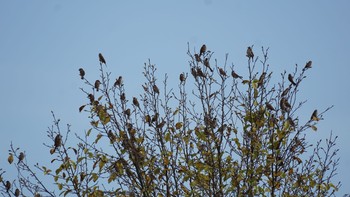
(230, 135)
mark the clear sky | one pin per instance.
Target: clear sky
(44, 43)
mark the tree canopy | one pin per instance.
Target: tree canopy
(212, 132)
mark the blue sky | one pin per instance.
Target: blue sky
(44, 43)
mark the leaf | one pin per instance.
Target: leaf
(178, 125)
(81, 108)
(60, 186)
(88, 132)
(313, 127)
(10, 158)
(167, 137)
(98, 137)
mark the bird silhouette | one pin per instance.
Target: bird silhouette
(118, 81)
(290, 79)
(20, 157)
(308, 65)
(97, 85)
(182, 77)
(202, 50)
(206, 64)
(235, 75)
(250, 53)
(222, 72)
(81, 73)
(101, 58)
(57, 141)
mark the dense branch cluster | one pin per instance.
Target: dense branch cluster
(229, 135)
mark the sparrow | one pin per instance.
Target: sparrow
(155, 89)
(91, 97)
(101, 58)
(58, 141)
(269, 106)
(206, 64)
(202, 50)
(20, 157)
(194, 72)
(198, 59)
(17, 192)
(285, 106)
(290, 78)
(8, 186)
(222, 72)
(314, 116)
(200, 73)
(285, 92)
(235, 75)
(122, 96)
(182, 77)
(308, 65)
(135, 102)
(250, 53)
(81, 73)
(97, 85)
(118, 81)
(261, 79)
(127, 112)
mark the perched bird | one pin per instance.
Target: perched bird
(291, 122)
(202, 50)
(206, 64)
(290, 79)
(261, 79)
(222, 72)
(194, 72)
(269, 106)
(81, 73)
(127, 112)
(161, 124)
(286, 91)
(58, 141)
(314, 116)
(308, 65)
(8, 186)
(20, 157)
(235, 75)
(198, 59)
(101, 58)
(182, 77)
(200, 73)
(135, 102)
(17, 192)
(155, 89)
(97, 85)
(118, 81)
(122, 96)
(285, 106)
(91, 97)
(250, 53)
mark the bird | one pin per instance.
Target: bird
(200, 73)
(118, 81)
(222, 72)
(122, 96)
(20, 157)
(58, 141)
(206, 64)
(17, 192)
(91, 97)
(194, 72)
(314, 116)
(202, 50)
(290, 78)
(261, 79)
(308, 65)
(285, 106)
(250, 53)
(8, 186)
(182, 77)
(198, 59)
(155, 89)
(135, 102)
(97, 85)
(235, 75)
(286, 91)
(101, 58)
(269, 106)
(127, 112)
(81, 73)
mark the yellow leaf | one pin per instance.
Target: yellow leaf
(60, 186)
(313, 127)
(178, 125)
(10, 158)
(98, 137)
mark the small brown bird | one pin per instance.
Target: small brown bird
(235, 75)
(81, 73)
(250, 53)
(101, 58)
(122, 96)
(127, 112)
(198, 59)
(135, 102)
(314, 116)
(161, 124)
(182, 77)
(308, 65)
(194, 72)
(17, 192)
(111, 136)
(290, 79)
(285, 106)
(269, 106)
(286, 91)
(155, 89)
(203, 50)
(58, 141)
(291, 122)
(200, 73)
(97, 85)
(261, 79)
(222, 72)
(206, 64)
(118, 81)
(20, 157)
(91, 97)
(8, 186)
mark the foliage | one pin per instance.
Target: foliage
(227, 136)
